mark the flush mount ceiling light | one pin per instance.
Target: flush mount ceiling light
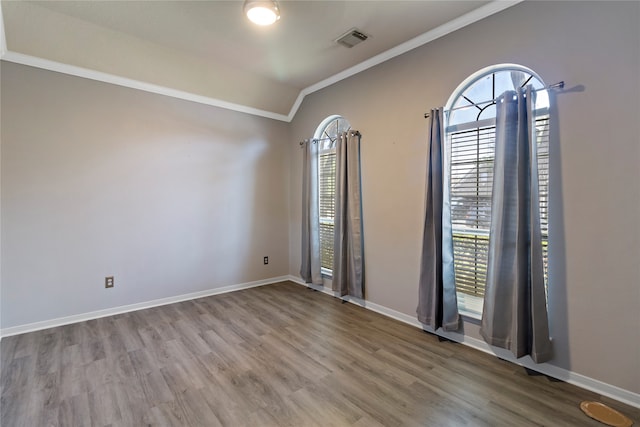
(262, 12)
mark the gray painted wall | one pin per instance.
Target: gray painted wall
(594, 292)
(170, 197)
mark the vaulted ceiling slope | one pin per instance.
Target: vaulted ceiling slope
(208, 52)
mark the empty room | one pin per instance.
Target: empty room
(319, 213)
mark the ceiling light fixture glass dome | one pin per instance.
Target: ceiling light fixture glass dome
(262, 12)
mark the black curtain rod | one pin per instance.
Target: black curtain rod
(560, 85)
(316, 140)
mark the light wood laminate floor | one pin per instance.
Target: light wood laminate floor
(278, 355)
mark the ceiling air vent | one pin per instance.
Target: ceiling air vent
(352, 38)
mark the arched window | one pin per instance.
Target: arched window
(325, 136)
(470, 132)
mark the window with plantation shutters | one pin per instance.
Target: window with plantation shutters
(325, 137)
(471, 137)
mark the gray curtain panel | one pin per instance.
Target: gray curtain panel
(515, 311)
(348, 243)
(310, 265)
(437, 303)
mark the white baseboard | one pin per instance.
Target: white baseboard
(604, 389)
(46, 324)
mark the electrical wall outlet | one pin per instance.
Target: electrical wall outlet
(108, 282)
(266, 260)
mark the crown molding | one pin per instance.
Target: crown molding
(444, 29)
(86, 73)
(451, 26)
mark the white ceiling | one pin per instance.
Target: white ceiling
(209, 52)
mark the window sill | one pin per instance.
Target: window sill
(470, 316)
(470, 307)
(326, 274)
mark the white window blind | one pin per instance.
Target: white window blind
(471, 180)
(327, 191)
